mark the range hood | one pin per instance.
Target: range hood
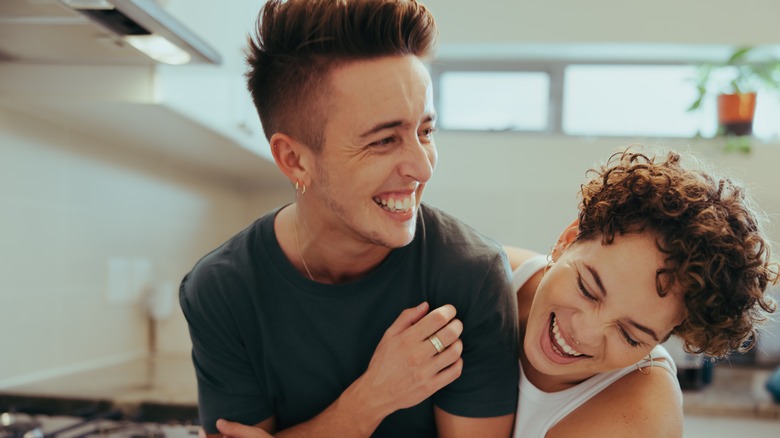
(97, 32)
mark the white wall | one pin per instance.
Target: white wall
(69, 204)
(660, 21)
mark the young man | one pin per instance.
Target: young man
(289, 318)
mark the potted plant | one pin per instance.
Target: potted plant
(736, 83)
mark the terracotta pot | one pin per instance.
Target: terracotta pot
(735, 113)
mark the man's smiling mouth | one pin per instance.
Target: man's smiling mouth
(395, 203)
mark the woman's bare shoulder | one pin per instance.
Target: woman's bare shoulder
(637, 405)
(517, 256)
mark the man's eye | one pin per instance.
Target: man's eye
(383, 142)
(428, 132)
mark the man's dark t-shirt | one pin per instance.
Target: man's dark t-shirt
(267, 341)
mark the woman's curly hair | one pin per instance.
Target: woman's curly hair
(709, 230)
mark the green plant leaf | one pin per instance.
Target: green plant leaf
(738, 55)
(741, 143)
(735, 86)
(696, 104)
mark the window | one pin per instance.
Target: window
(628, 100)
(583, 99)
(495, 101)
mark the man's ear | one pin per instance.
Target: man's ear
(566, 238)
(292, 158)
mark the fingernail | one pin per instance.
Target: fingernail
(421, 306)
(221, 422)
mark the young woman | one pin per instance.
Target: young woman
(659, 249)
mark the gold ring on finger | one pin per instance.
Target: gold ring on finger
(436, 343)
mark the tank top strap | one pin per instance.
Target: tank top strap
(659, 357)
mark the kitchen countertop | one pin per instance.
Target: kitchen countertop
(734, 392)
(165, 380)
(169, 380)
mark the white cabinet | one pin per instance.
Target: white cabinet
(216, 96)
(199, 116)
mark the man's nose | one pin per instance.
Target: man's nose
(419, 160)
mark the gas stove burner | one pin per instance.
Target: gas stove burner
(15, 425)
(124, 430)
(57, 418)
(52, 427)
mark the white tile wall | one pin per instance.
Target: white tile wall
(70, 203)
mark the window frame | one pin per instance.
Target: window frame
(555, 68)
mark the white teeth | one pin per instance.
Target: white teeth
(396, 205)
(562, 342)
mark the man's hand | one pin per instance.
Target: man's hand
(406, 367)
(237, 430)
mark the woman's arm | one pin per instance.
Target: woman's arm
(517, 255)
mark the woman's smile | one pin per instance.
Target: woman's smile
(555, 346)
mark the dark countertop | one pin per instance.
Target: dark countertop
(168, 382)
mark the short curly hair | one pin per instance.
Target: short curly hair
(710, 232)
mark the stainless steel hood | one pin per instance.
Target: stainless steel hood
(94, 32)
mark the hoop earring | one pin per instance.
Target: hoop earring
(303, 189)
(652, 364)
(296, 185)
(549, 257)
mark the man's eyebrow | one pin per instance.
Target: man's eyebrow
(600, 284)
(431, 118)
(381, 126)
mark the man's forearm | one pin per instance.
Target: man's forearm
(355, 414)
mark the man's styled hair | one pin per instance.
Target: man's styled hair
(710, 232)
(299, 42)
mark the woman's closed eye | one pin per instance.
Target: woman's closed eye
(628, 338)
(590, 297)
(587, 295)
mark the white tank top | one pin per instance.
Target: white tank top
(539, 411)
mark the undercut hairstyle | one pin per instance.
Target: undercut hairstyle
(298, 43)
(710, 232)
